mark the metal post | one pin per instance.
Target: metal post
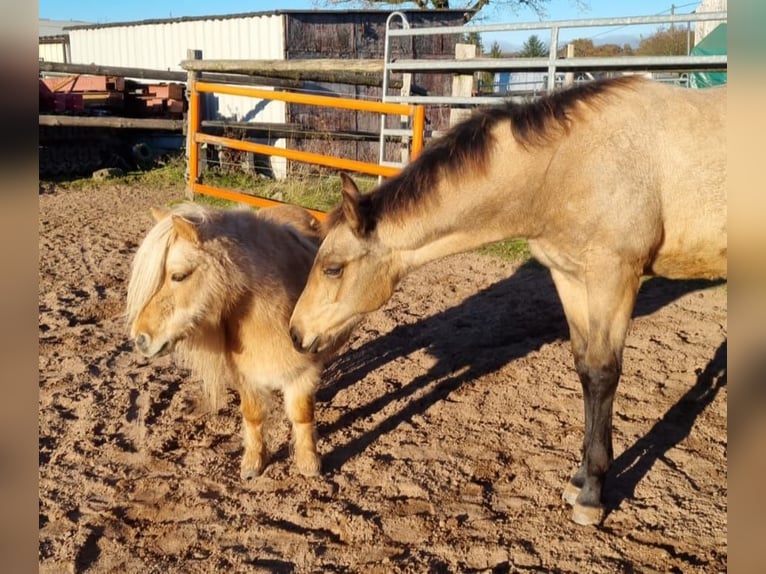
(552, 58)
(192, 125)
(384, 94)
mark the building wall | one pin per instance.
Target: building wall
(162, 44)
(702, 29)
(53, 51)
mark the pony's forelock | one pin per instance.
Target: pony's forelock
(149, 261)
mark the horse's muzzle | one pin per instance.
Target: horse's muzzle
(144, 344)
(297, 339)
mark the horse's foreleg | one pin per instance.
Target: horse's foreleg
(299, 405)
(598, 313)
(255, 457)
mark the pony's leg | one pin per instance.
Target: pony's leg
(255, 457)
(611, 296)
(299, 406)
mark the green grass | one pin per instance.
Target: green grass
(314, 192)
(508, 250)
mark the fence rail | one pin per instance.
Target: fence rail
(552, 64)
(196, 136)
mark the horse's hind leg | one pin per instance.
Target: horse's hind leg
(299, 406)
(255, 457)
(598, 317)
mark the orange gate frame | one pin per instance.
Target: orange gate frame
(417, 112)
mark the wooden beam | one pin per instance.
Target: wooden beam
(164, 75)
(356, 72)
(271, 76)
(111, 122)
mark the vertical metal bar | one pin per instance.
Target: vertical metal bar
(418, 131)
(192, 126)
(383, 97)
(552, 58)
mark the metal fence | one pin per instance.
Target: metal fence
(552, 71)
(553, 65)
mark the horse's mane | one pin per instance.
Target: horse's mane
(466, 146)
(149, 261)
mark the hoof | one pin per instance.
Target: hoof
(250, 473)
(309, 466)
(587, 515)
(253, 466)
(570, 493)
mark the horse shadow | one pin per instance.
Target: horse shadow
(499, 324)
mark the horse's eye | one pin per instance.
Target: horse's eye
(179, 276)
(333, 271)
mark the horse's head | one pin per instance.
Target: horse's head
(354, 273)
(171, 290)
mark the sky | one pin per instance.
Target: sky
(102, 12)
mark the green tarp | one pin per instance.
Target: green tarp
(711, 45)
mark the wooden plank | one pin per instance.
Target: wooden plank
(148, 74)
(274, 78)
(342, 71)
(111, 122)
(270, 67)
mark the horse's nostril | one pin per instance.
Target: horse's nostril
(141, 341)
(296, 338)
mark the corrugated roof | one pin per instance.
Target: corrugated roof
(86, 25)
(47, 27)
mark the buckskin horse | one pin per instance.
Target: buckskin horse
(608, 181)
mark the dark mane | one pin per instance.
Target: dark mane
(466, 146)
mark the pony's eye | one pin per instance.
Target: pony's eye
(333, 271)
(179, 276)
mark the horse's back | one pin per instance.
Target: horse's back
(667, 178)
(691, 158)
(296, 217)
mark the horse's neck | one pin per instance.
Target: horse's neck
(475, 211)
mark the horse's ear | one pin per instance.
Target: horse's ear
(159, 213)
(185, 229)
(351, 195)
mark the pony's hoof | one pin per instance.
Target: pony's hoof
(570, 494)
(252, 467)
(310, 466)
(587, 515)
(250, 473)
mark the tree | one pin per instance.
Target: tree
(487, 79)
(666, 42)
(533, 48)
(472, 7)
(584, 47)
(474, 38)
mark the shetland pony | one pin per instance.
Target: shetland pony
(607, 181)
(218, 286)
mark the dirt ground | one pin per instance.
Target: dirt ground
(447, 427)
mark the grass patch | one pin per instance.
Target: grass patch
(508, 250)
(311, 191)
